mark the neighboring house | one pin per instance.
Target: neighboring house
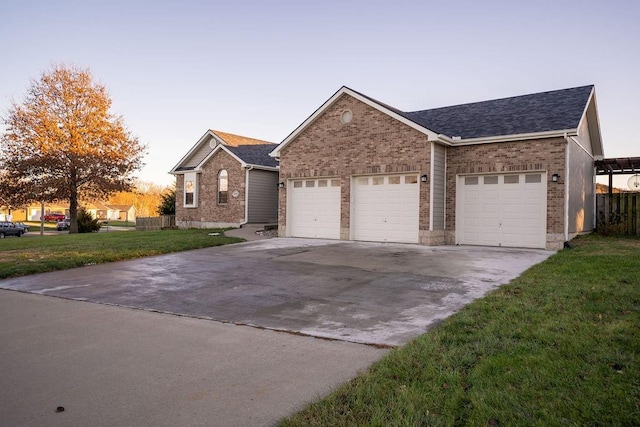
(122, 213)
(226, 180)
(515, 172)
(96, 209)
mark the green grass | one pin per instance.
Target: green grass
(558, 346)
(38, 254)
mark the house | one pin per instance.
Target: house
(122, 213)
(515, 172)
(226, 180)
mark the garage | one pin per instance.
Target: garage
(385, 208)
(313, 208)
(502, 210)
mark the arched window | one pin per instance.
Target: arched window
(223, 186)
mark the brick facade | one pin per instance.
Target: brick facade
(375, 143)
(372, 143)
(519, 156)
(209, 212)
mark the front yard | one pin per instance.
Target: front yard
(560, 345)
(23, 256)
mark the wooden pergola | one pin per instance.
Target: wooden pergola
(617, 166)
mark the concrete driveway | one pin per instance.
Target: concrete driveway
(383, 294)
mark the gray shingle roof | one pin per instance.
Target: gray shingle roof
(538, 112)
(255, 154)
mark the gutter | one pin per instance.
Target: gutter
(455, 141)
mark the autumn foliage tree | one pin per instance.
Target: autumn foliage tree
(62, 143)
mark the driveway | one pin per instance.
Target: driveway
(382, 294)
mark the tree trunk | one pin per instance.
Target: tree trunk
(73, 207)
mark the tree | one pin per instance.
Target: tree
(145, 196)
(62, 143)
(168, 204)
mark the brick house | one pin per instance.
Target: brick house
(226, 180)
(515, 172)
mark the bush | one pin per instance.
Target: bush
(86, 222)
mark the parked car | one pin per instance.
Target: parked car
(54, 217)
(24, 226)
(65, 224)
(10, 229)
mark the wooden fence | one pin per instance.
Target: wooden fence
(155, 222)
(618, 213)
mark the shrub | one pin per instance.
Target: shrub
(86, 222)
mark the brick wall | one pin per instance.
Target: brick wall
(520, 156)
(372, 143)
(209, 212)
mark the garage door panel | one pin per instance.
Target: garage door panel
(385, 208)
(502, 210)
(313, 208)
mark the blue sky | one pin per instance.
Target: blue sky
(259, 68)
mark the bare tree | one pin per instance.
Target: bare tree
(62, 143)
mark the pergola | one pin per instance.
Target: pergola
(617, 166)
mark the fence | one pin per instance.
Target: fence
(155, 222)
(618, 213)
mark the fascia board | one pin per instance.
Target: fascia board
(262, 167)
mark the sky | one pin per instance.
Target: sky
(175, 69)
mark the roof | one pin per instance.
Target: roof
(538, 112)
(237, 140)
(212, 140)
(618, 166)
(544, 114)
(257, 155)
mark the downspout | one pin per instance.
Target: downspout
(431, 169)
(566, 190)
(246, 195)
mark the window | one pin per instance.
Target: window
(470, 180)
(297, 184)
(491, 179)
(335, 183)
(309, 184)
(394, 180)
(322, 183)
(532, 179)
(188, 193)
(363, 181)
(190, 190)
(411, 179)
(511, 179)
(378, 180)
(223, 187)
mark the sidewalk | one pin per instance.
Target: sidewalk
(249, 232)
(112, 366)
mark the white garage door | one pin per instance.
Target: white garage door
(386, 208)
(502, 210)
(313, 208)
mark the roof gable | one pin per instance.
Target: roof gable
(393, 112)
(519, 117)
(208, 144)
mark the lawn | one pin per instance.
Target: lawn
(37, 254)
(560, 345)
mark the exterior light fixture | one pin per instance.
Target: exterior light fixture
(281, 185)
(555, 177)
(424, 178)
